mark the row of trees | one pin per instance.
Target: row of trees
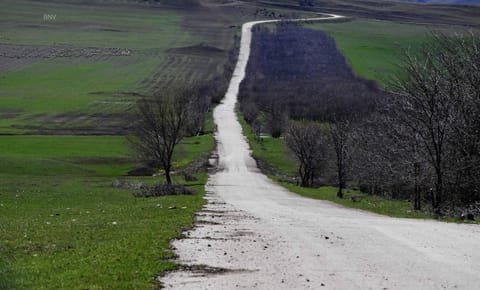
(322, 150)
(431, 122)
(299, 73)
(423, 140)
(419, 140)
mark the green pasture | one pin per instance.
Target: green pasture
(61, 232)
(63, 224)
(374, 48)
(132, 26)
(64, 155)
(64, 92)
(65, 85)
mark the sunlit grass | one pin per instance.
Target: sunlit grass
(63, 224)
(81, 233)
(374, 48)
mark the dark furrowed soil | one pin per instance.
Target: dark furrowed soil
(13, 57)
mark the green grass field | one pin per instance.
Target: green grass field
(65, 85)
(69, 85)
(64, 155)
(79, 232)
(64, 226)
(374, 48)
(61, 232)
(131, 26)
(51, 93)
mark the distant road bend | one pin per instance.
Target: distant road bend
(254, 234)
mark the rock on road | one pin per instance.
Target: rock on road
(254, 234)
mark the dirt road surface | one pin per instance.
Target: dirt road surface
(254, 234)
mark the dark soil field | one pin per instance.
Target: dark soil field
(302, 73)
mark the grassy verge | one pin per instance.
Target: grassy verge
(275, 154)
(271, 151)
(393, 208)
(63, 224)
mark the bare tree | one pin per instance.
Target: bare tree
(437, 103)
(422, 104)
(257, 126)
(200, 94)
(341, 138)
(250, 111)
(277, 119)
(307, 141)
(406, 159)
(460, 57)
(161, 124)
(372, 163)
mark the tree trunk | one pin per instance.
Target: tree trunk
(340, 192)
(416, 195)
(437, 196)
(341, 184)
(167, 176)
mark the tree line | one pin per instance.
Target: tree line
(430, 125)
(418, 139)
(299, 73)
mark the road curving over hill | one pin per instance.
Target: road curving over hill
(254, 234)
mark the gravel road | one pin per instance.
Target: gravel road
(254, 234)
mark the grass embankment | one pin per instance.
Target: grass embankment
(63, 224)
